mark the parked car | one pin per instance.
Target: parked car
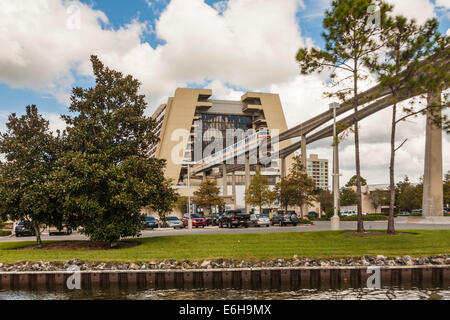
(197, 220)
(258, 220)
(23, 229)
(150, 223)
(174, 222)
(64, 229)
(349, 213)
(313, 213)
(285, 217)
(234, 218)
(416, 212)
(404, 213)
(213, 220)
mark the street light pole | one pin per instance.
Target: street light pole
(335, 221)
(189, 196)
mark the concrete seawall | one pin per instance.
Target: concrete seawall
(257, 278)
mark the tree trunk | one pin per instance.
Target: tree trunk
(391, 227)
(37, 232)
(360, 228)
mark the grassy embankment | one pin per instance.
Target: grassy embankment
(262, 246)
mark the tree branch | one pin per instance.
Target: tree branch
(401, 145)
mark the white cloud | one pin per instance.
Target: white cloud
(443, 3)
(252, 44)
(236, 44)
(55, 122)
(43, 51)
(421, 10)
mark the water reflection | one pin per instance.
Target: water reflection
(232, 294)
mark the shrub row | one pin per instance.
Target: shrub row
(5, 233)
(369, 217)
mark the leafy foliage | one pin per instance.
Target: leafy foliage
(447, 189)
(379, 198)
(350, 36)
(408, 196)
(352, 182)
(348, 197)
(164, 199)
(104, 177)
(30, 152)
(401, 70)
(182, 204)
(208, 195)
(297, 189)
(325, 197)
(258, 193)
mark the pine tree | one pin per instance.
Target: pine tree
(406, 46)
(350, 36)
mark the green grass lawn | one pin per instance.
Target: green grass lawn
(259, 246)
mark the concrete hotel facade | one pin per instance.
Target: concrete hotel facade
(181, 115)
(317, 169)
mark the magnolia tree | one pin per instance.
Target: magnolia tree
(30, 152)
(164, 200)
(104, 177)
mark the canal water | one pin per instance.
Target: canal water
(232, 294)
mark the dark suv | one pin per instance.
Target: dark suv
(234, 218)
(285, 217)
(23, 229)
(213, 219)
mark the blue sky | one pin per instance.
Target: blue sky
(121, 13)
(230, 46)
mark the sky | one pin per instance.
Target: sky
(229, 46)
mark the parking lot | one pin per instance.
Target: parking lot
(318, 226)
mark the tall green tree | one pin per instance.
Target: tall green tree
(352, 32)
(352, 182)
(105, 177)
(285, 192)
(348, 197)
(325, 197)
(30, 152)
(406, 45)
(297, 189)
(182, 204)
(409, 196)
(447, 189)
(258, 192)
(306, 186)
(379, 197)
(208, 195)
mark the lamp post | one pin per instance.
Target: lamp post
(189, 191)
(335, 218)
(189, 196)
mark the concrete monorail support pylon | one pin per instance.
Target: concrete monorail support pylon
(432, 179)
(224, 180)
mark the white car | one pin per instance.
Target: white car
(259, 220)
(174, 222)
(348, 213)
